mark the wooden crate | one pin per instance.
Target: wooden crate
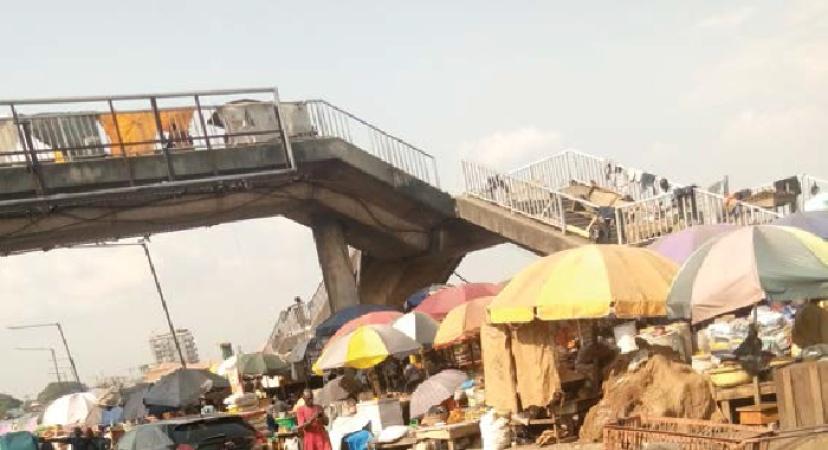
(802, 394)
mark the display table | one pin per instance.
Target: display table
(280, 437)
(724, 396)
(449, 433)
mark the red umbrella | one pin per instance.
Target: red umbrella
(372, 318)
(438, 304)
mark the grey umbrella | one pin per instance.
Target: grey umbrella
(183, 387)
(146, 437)
(435, 389)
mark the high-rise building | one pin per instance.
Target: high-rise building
(163, 347)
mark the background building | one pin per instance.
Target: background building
(164, 351)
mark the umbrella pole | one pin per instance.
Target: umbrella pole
(757, 393)
(375, 385)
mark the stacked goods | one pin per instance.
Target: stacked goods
(659, 387)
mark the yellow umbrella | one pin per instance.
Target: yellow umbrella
(365, 347)
(587, 282)
(462, 322)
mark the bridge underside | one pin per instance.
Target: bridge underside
(407, 229)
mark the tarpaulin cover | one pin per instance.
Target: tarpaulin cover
(69, 133)
(18, 440)
(138, 129)
(498, 368)
(533, 349)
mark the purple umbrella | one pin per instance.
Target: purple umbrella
(815, 222)
(679, 246)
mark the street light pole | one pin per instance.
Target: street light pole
(62, 337)
(54, 358)
(143, 243)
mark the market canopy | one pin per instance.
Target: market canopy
(261, 364)
(339, 318)
(365, 347)
(183, 387)
(438, 304)
(746, 266)
(589, 282)
(418, 326)
(416, 298)
(680, 245)
(462, 322)
(134, 408)
(73, 409)
(435, 390)
(371, 318)
(815, 222)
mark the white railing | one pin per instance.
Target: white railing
(522, 197)
(560, 170)
(331, 121)
(651, 218)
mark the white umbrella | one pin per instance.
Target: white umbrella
(418, 326)
(79, 408)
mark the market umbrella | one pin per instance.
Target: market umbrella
(462, 322)
(416, 298)
(815, 222)
(331, 392)
(435, 389)
(226, 366)
(260, 364)
(587, 282)
(438, 304)
(73, 409)
(679, 246)
(818, 202)
(183, 387)
(418, 326)
(371, 318)
(365, 347)
(339, 318)
(146, 437)
(741, 268)
(134, 408)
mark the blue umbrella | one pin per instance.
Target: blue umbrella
(339, 318)
(416, 298)
(815, 222)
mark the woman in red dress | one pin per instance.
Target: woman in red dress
(312, 423)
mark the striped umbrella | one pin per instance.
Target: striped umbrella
(746, 266)
(435, 389)
(418, 326)
(815, 222)
(679, 246)
(462, 322)
(372, 318)
(437, 305)
(416, 298)
(365, 347)
(587, 282)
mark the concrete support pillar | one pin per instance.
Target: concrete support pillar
(335, 263)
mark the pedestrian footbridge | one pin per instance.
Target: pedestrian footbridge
(80, 170)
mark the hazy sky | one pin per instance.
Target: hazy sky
(692, 90)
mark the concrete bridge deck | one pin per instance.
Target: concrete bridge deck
(316, 164)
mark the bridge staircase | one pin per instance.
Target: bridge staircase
(585, 198)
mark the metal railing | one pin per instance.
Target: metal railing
(58, 130)
(648, 219)
(331, 121)
(560, 170)
(523, 197)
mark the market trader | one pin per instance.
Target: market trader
(312, 423)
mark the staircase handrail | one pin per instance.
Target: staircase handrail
(527, 198)
(674, 211)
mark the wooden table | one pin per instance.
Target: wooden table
(449, 432)
(724, 396)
